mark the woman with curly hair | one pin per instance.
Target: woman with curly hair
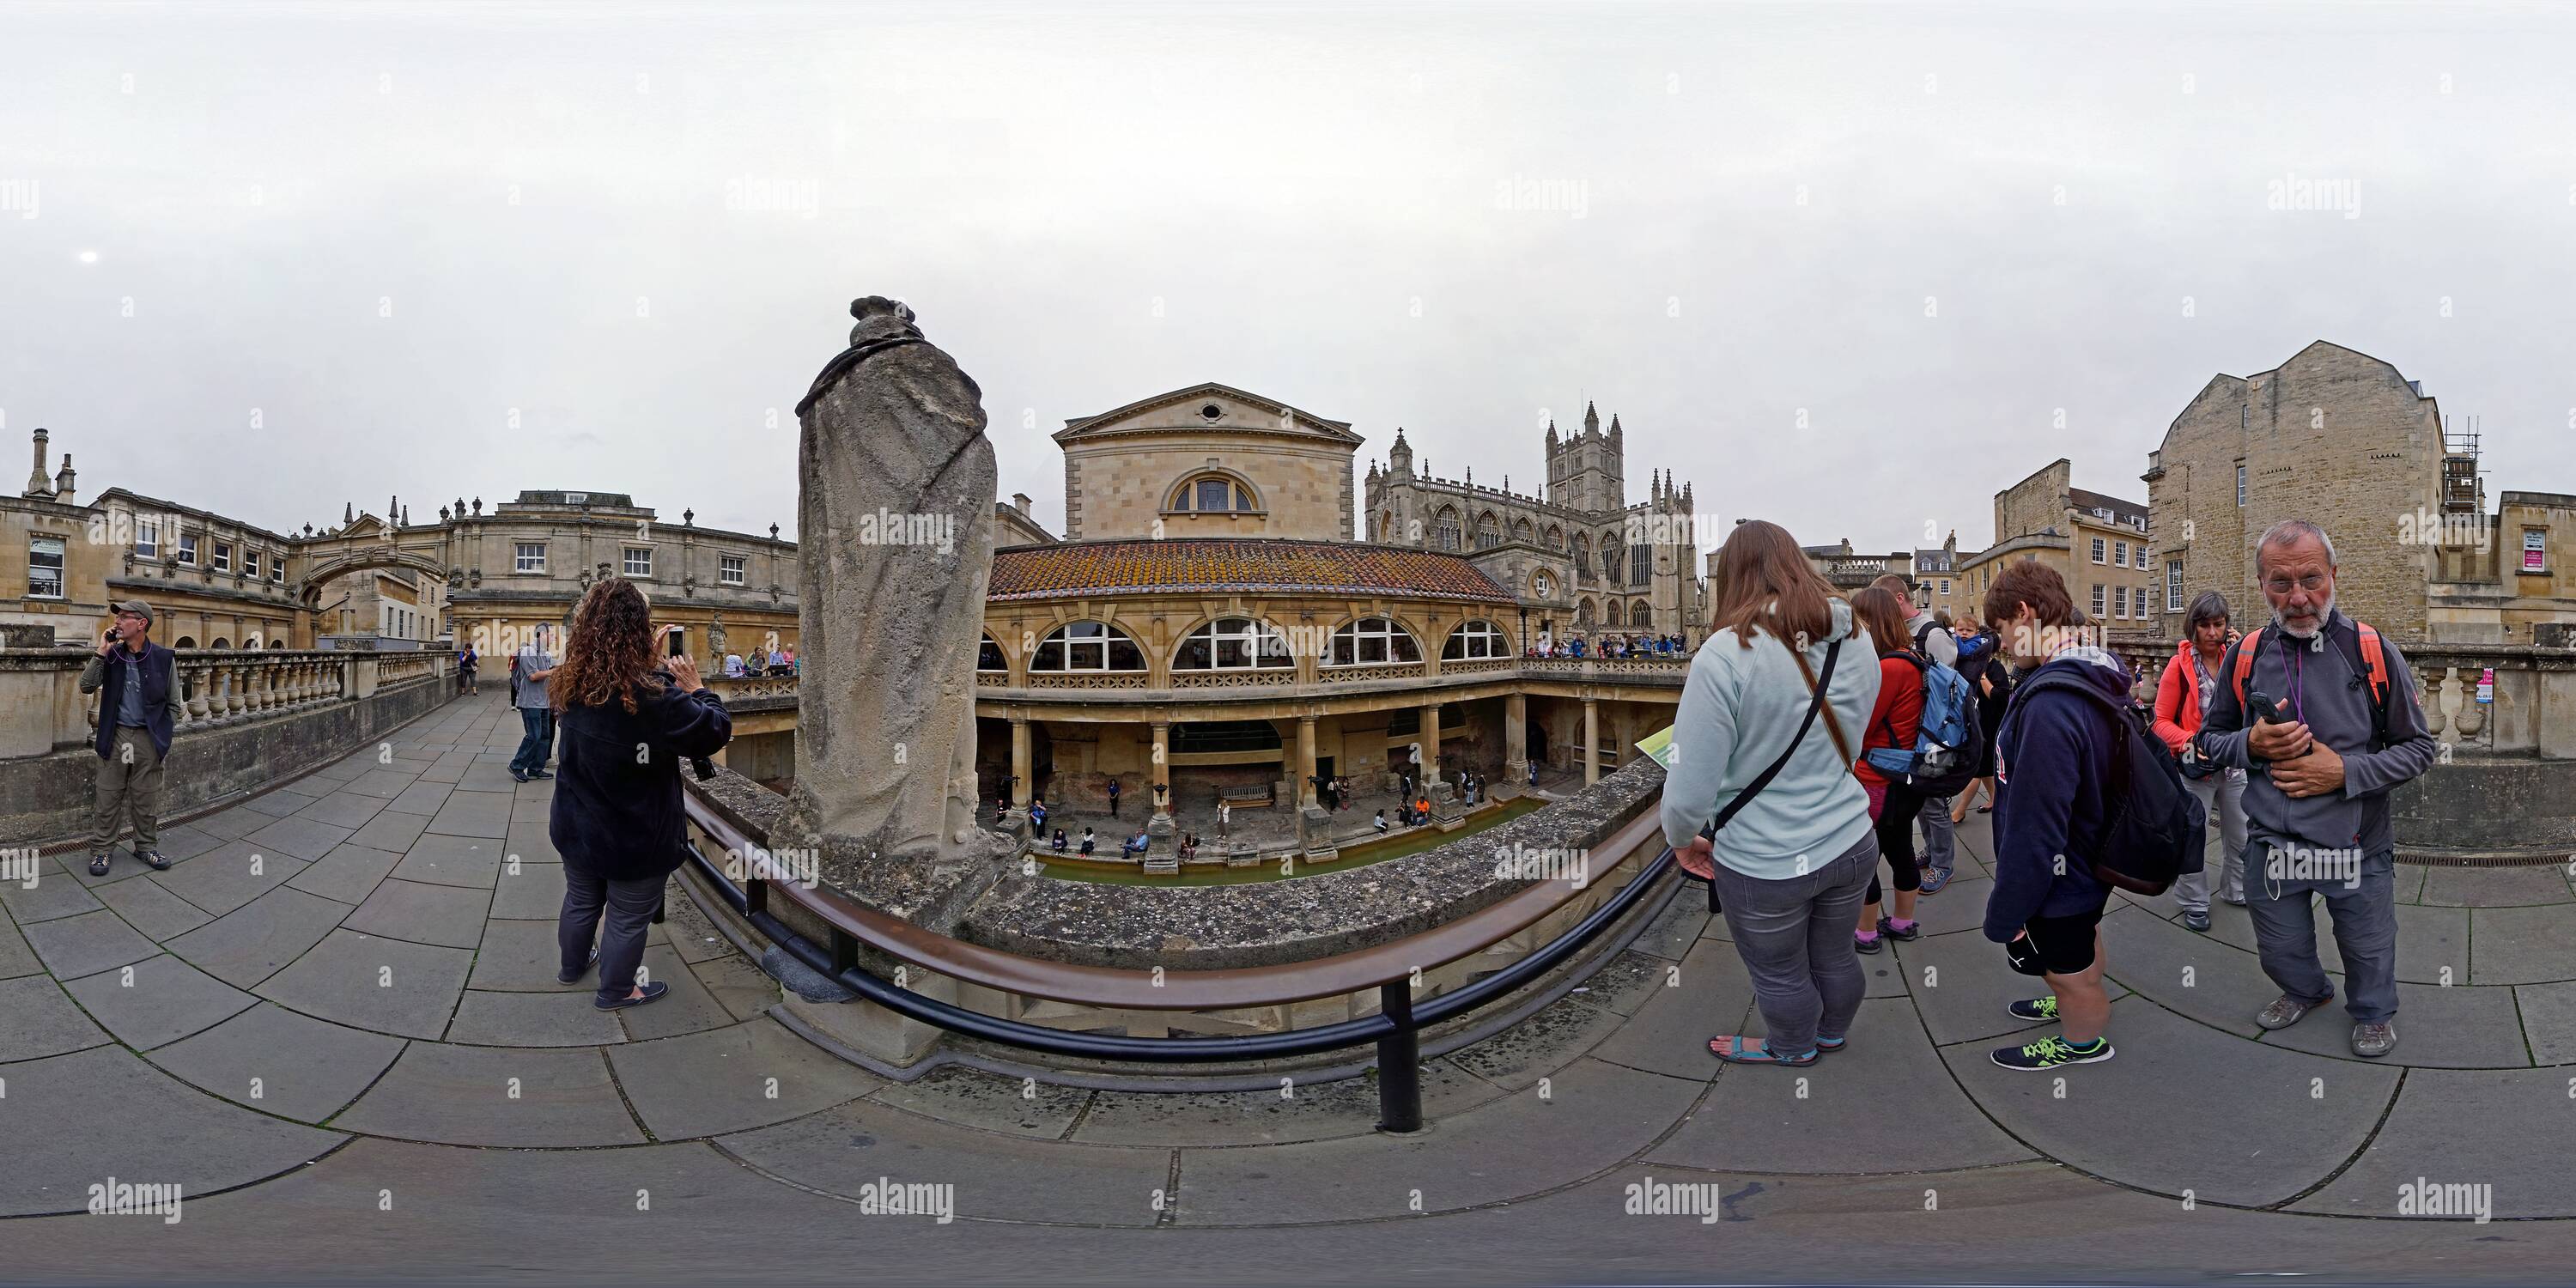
(626, 724)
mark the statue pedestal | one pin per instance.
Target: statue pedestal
(1447, 813)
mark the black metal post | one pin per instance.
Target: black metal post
(1399, 1062)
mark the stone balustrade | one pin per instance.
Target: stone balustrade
(42, 708)
(2531, 706)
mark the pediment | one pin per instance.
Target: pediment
(1188, 410)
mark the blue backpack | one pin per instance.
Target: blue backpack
(1943, 760)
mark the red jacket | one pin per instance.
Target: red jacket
(1898, 715)
(2178, 698)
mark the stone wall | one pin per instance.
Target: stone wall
(1118, 487)
(49, 797)
(2034, 503)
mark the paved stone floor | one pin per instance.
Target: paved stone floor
(335, 1025)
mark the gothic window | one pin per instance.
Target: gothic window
(1640, 615)
(1641, 564)
(1372, 640)
(1489, 531)
(1555, 537)
(1611, 558)
(1583, 613)
(1582, 557)
(1521, 532)
(1444, 529)
(1082, 646)
(1233, 644)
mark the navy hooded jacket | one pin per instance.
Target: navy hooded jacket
(2052, 757)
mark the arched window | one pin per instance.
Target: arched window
(1583, 614)
(1370, 641)
(220, 642)
(1555, 537)
(1612, 559)
(277, 643)
(1489, 531)
(1640, 615)
(1523, 533)
(1233, 644)
(1582, 557)
(1641, 564)
(1214, 494)
(1474, 640)
(988, 656)
(1385, 527)
(184, 641)
(1085, 646)
(1444, 529)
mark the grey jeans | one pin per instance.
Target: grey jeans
(2223, 795)
(1940, 836)
(1795, 936)
(129, 782)
(629, 906)
(2365, 931)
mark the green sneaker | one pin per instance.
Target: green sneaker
(2050, 1052)
(2037, 1011)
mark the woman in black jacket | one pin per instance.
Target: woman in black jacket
(625, 725)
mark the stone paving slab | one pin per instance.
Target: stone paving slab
(560, 1019)
(275, 804)
(531, 810)
(385, 985)
(740, 987)
(732, 1079)
(87, 944)
(2528, 945)
(687, 1008)
(970, 1097)
(2496, 887)
(231, 824)
(16, 958)
(348, 874)
(687, 927)
(50, 898)
(1594, 1117)
(276, 1061)
(381, 782)
(157, 1001)
(522, 956)
(423, 798)
(72, 865)
(1557, 1035)
(487, 777)
(258, 939)
(2209, 981)
(391, 830)
(182, 843)
(1963, 997)
(149, 906)
(2452, 1127)
(2450, 1028)
(473, 813)
(75, 1120)
(2548, 1019)
(230, 875)
(2183, 1106)
(305, 787)
(1960, 908)
(1670, 1033)
(303, 838)
(850, 1148)
(1311, 1111)
(37, 1020)
(1756, 1119)
(451, 916)
(452, 860)
(461, 1095)
(531, 842)
(534, 893)
(342, 809)
(1672, 931)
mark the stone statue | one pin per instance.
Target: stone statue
(716, 639)
(885, 771)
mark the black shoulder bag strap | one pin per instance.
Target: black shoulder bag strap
(1824, 682)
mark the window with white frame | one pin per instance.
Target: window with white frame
(2119, 601)
(729, 569)
(1473, 640)
(44, 567)
(2240, 486)
(1945, 586)
(188, 548)
(2097, 549)
(2098, 596)
(1233, 644)
(2119, 554)
(1371, 641)
(531, 557)
(250, 563)
(223, 556)
(277, 568)
(147, 537)
(2173, 585)
(639, 561)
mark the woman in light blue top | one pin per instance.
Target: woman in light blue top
(1792, 866)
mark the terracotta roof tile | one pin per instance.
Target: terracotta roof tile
(1233, 564)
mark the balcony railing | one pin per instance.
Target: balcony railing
(217, 687)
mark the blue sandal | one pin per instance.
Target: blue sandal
(1736, 1054)
(1832, 1044)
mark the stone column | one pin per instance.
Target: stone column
(1516, 740)
(1591, 742)
(1160, 775)
(1021, 785)
(1431, 744)
(1306, 798)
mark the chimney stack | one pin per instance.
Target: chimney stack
(37, 483)
(1020, 502)
(63, 481)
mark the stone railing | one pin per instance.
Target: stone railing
(1233, 679)
(1331, 681)
(2531, 706)
(1674, 667)
(42, 708)
(736, 688)
(230, 686)
(1477, 666)
(1375, 671)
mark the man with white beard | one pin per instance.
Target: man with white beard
(2343, 730)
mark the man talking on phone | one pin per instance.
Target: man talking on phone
(137, 712)
(2322, 710)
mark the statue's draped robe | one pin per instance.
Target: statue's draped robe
(892, 449)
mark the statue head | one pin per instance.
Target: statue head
(881, 319)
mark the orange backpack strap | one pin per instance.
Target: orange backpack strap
(2374, 660)
(2247, 649)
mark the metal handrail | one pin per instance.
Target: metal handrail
(1395, 1028)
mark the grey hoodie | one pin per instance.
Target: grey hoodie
(1740, 707)
(2334, 702)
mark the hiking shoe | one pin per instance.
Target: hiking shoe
(1934, 879)
(2036, 1010)
(2286, 1010)
(98, 863)
(2195, 920)
(2373, 1040)
(2050, 1052)
(1869, 945)
(652, 993)
(153, 859)
(1887, 930)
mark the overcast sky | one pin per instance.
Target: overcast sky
(383, 232)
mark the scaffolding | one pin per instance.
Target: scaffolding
(2464, 489)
